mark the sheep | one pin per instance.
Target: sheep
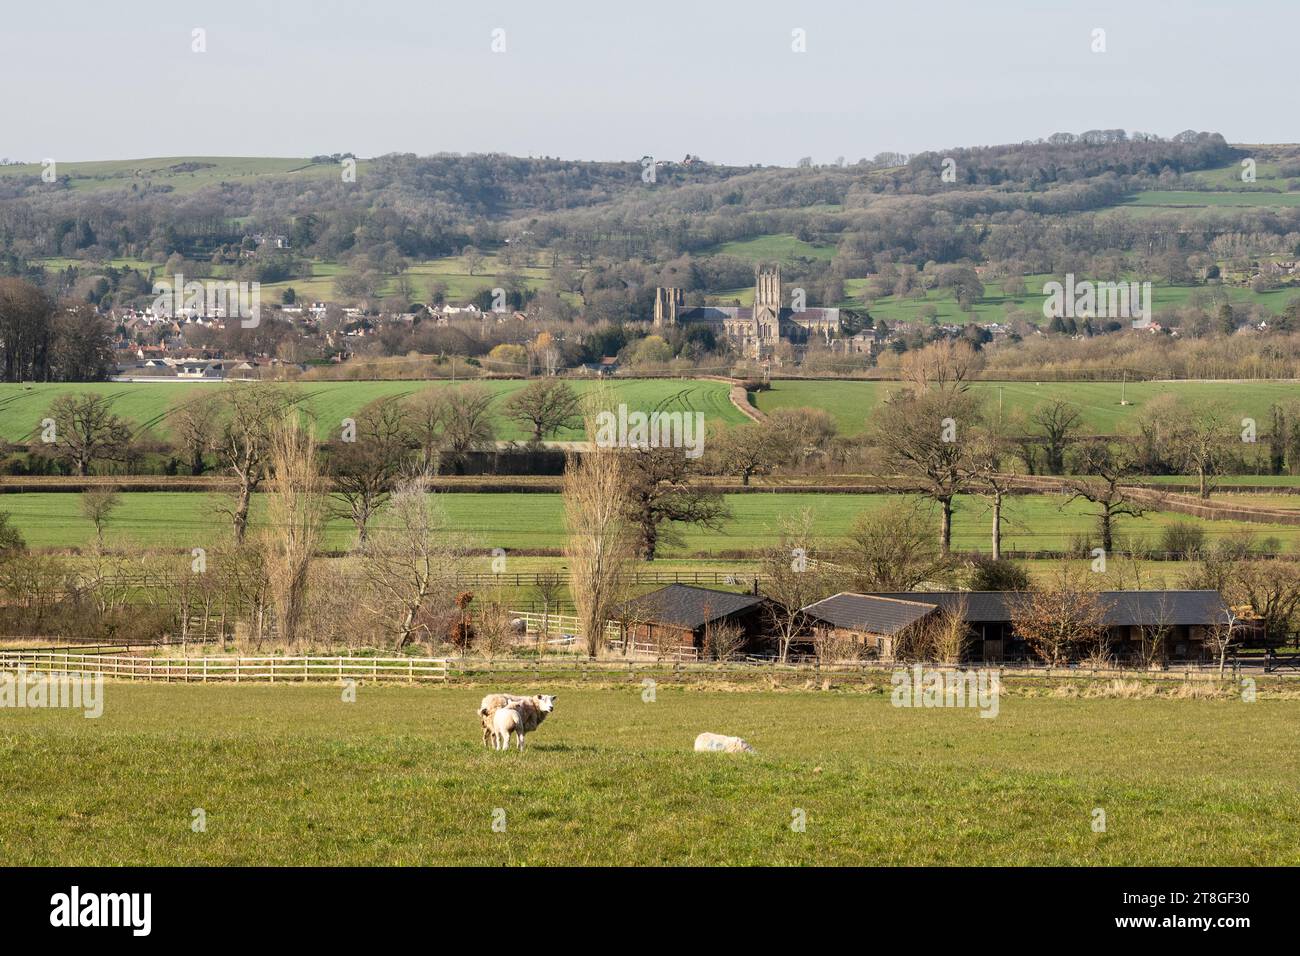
(520, 718)
(720, 742)
(489, 706)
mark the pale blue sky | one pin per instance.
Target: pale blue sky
(87, 79)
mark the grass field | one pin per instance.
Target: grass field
(183, 174)
(995, 305)
(1099, 402)
(147, 404)
(292, 775)
(186, 520)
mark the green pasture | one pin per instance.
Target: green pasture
(850, 402)
(148, 404)
(174, 172)
(184, 520)
(293, 775)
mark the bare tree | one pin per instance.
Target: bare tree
(723, 639)
(248, 413)
(925, 438)
(599, 547)
(98, 505)
(365, 468)
(945, 365)
(988, 451)
(295, 518)
(467, 423)
(1221, 637)
(193, 424)
(1061, 618)
(1104, 473)
(891, 549)
(1199, 437)
(549, 586)
(793, 578)
(658, 493)
(86, 431)
(546, 405)
(1057, 421)
(410, 563)
(947, 634)
(746, 450)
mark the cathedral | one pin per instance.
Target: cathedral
(754, 331)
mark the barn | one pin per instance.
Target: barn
(680, 615)
(876, 620)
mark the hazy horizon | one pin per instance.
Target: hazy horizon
(583, 81)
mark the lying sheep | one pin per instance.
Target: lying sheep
(520, 718)
(721, 742)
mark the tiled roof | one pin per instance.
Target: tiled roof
(1120, 608)
(685, 606)
(869, 613)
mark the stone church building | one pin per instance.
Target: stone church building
(754, 331)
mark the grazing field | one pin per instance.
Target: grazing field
(1099, 402)
(293, 775)
(182, 174)
(1195, 199)
(147, 404)
(185, 520)
(995, 305)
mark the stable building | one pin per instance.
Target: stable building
(679, 615)
(877, 621)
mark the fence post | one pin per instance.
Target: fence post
(410, 670)
(237, 670)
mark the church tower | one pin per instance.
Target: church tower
(667, 302)
(767, 307)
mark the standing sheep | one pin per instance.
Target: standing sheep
(520, 718)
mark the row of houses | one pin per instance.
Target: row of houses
(679, 616)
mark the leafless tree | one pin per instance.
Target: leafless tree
(86, 431)
(546, 406)
(98, 505)
(793, 578)
(295, 518)
(248, 411)
(925, 438)
(366, 468)
(600, 545)
(193, 424)
(1057, 421)
(1104, 474)
(891, 548)
(1061, 618)
(943, 365)
(410, 564)
(723, 639)
(1221, 637)
(658, 493)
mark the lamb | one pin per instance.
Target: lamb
(490, 705)
(520, 718)
(721, 742)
